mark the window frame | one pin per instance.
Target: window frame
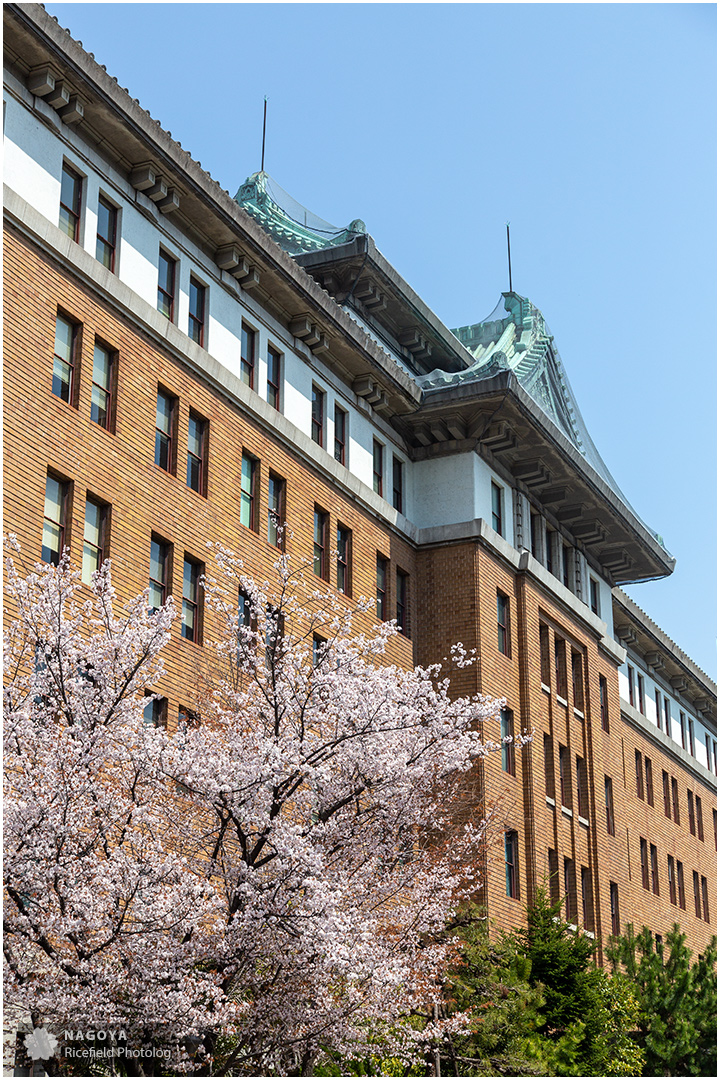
(644, 864)
(378, 465)
(639, 779)
(164, 583)
(168, 435)
(274, 377)
(197, 323)
(170, 298)
(667, 808)
(691, 812)
(654, 870)
(71, 364)
(248, 497)
(680, 885)
(649, 790)
(382, 566)
(402, 601)
(340, 429)
(631, 684)
(276, 510)
(397, 485)
(696, 894)
(344, 560)
(561, 684)
(248, 354)
(317, 415)
(507, 729)
(595, 596)
(512, 868)
(62, 523)
(614, 909)
(158, 707)
(609, 807)
(108, 391)
(101, 547)
(578, 680)
(503, 623)
(71, 213)
(192, 601)
(321, 528)
(672, 886)
(699, 819)
(675, 793)
(201, 459)
(110, 244)
(604, 704)
(641, 692)
(497, 514)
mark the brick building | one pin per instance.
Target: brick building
(181, 364)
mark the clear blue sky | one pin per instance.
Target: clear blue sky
(591, 127)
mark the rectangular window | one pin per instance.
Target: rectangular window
(160, 566)
(666, 794)
(70, 203)
(604, 706)
(658, 709)
(402, 602)
(560, 669)
(691, 736)
(190, 624)
(586, 894)
(609, 807)
(512, 876)
(535, 534)
(545, 655)
(248, 341)
(378, 467)
(381, 594)
(94, 538)
(698, 818)
(320, 543)
(566, 553)
(549, 766)
(197, 433)
(577, 681)
(340, 435)
(614, 909)
(667, 717)
(708, 752)
(507, 732)
(581, 787)
(106, 242)
(696, 893)
(714, 815)
(564, 760)
(245, 610)
(54, 520)
(274, 367)
(101, 401)
(553, 875)
(550, 562)
(570, 895)
(681, 885)
(248, 485)
(64, 358)
(705, 901)
(639, 775)
(503, 621)
(675, 800)
(654, 870)
(644, 868)
(641, 693)
(164, 424)
(317, 425)
(594, 596)
(397, 484)
(671, 880)
(344, 555)
(691, 812)
(155, 713)
(683, 732)
(496, 494)
(276, 511)
(166, 286)
(631, 685)
(649, 782)
(196, 314)
(319, 645)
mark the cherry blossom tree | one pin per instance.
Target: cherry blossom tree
(253, 891)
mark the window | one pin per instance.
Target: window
(659, 944)
(560, 669)
(57, 493)
(566, 554)
(609, 807)
(594, 596)
(577, 680)
(248, 484)
(317, 422)
(196, 453)
(586, 895)
(276, 511)
(641, 693)
(66, 349)
(705, 901)
(631, 685)
(564, 760)
(614, 909)
(106, 234)
(245, 609)
(714, 816)
(381, 595)
(644, 869)
(691, 812)
(553, 875)
(544, 655)
(166, 286)
(274, 632)
(319, 645)
(691, 736)
(188, 719)
(402, 608)
(581, 787)
(604, 707)
(248, 340)
(549, 766)
(274, 361)
(496, 498)
(683, 732)
(164, 423)
(101, 401)
(344, 554)
(535, 534)
(196, 315)
(378, 453)
(397, 484)
(155, 712)
(667, 717)
(512, 877)
(655, 873)
(639, 775)
(340, 435)
(159, 572)
(675, 800)
(507, 732)
(671, 880)
(698, 818)
(94, 538)
(503, 621)
(666, 794)
(708, 751)
(320, 543)
(70, 203)
(570, 897)
(696, 893)
(658, 709)
(550, 561)
(681, 885)
(649, 782)
(190, 623)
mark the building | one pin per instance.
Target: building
(181, 365)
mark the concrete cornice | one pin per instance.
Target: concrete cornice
(651, 731)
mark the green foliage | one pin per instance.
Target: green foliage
(678, 1001)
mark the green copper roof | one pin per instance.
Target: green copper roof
(295, 228)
